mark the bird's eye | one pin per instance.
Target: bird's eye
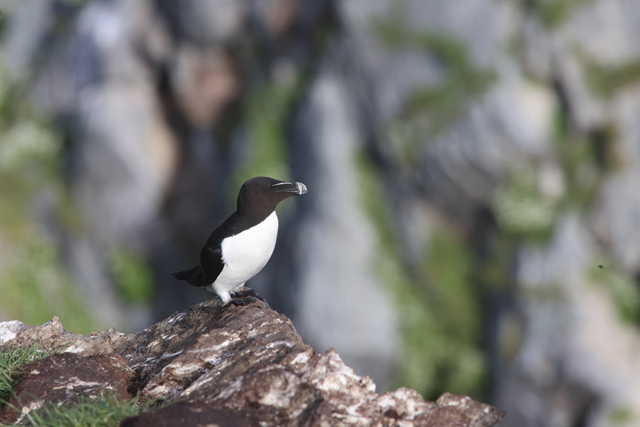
(270, 185)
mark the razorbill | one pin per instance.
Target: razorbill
(239, 248)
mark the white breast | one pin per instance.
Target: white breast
(244, 255)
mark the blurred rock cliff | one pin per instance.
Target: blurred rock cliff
(473, 170)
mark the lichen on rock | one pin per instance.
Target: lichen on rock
(240, 364)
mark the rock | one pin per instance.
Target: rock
(62, 378)
(455, 409)
(52, 334)
(231, 366)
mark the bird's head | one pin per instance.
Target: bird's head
(262, 194)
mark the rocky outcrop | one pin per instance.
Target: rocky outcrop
(246, 365)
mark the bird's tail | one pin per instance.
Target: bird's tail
(194, 277)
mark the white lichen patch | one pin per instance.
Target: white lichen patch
(214, 360)
(455, 402)
(35, 405)
(333, 375)
(281, 390)
(154, 344)
(74, 349)
(301, 358)
(159, 391)
(410, 401)
(275, 344)
(386, 401)
(230, 390)
(7, 330)
(181, 370)
(215, 347)
(75, 382)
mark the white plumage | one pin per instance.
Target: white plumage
(244, 255)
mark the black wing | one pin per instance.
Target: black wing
(211, 260)
(211, 254)
(211, 263)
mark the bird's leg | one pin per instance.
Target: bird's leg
(248, 292)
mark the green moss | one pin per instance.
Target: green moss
(493, 271)
(133, 276)
(371, 191)
(622, 415)
(623, 290)
(514, 45)
(510, 336)
(15, 194)
(68, 214)
(521, 210)
(440, 104)
(34, 286)
(11, 361)
(406, 139)
(27, 142)
(553, 13)
(440, 321)
(585, 160)
(440, 315)
(606, 81)
(3, 21)
(33, 282)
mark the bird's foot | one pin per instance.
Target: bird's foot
(248, 292)
(242, 301)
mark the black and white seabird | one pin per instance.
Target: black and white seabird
(239, 248)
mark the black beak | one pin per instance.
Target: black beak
(297, 188)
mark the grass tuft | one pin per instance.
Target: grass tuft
(106, 412)
(11, 361)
